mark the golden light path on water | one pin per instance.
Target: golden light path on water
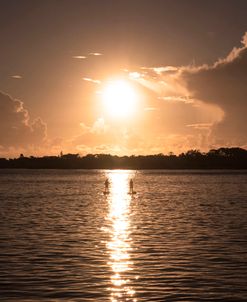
(119, 245)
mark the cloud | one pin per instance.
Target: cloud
(219, 91)
(183, 99)
(92, 80)
(133, 75)
(164, 82)
(98, 133)
(100, 126)
(104, 137)
(18, 131)
(95, 54)
(16, 76)
(82, 57)
(79, 57)
(161, 70)
(147, 136)
(224, 84)
(200, 126)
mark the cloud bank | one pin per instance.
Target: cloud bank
(18, 131)
(224, 84)
(219, 91)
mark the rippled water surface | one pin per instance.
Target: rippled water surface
(182, 237)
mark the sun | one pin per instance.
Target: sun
(119, 98)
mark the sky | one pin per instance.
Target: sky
(122, 77)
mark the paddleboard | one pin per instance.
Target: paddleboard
(132, 193)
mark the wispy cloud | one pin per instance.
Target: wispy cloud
(16, 76)
(82, 57)
(79, 57)
(134, 75)
(95, 54)
(161, 70)
(200, 126)
(184, 99)
(92, 80)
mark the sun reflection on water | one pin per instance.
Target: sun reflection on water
(119, 245)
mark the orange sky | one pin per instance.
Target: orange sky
(121, 78)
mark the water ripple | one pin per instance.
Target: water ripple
(182, 237)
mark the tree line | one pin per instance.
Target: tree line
(222, 158)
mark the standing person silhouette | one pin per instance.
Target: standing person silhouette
(131, 186)
(106, 186)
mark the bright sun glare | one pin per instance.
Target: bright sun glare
(120, 98)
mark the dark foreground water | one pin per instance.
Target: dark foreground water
(182, 237)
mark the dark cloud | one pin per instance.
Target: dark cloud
(212, 99)
(224, 84)
(17, 130)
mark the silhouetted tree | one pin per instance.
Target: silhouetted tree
(222, 158)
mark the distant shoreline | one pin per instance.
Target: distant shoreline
(209, 170)
(134, 169)
(222, 158)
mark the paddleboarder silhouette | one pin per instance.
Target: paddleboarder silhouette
(131, 186)
(107, 185)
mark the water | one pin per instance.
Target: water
(182, 237)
